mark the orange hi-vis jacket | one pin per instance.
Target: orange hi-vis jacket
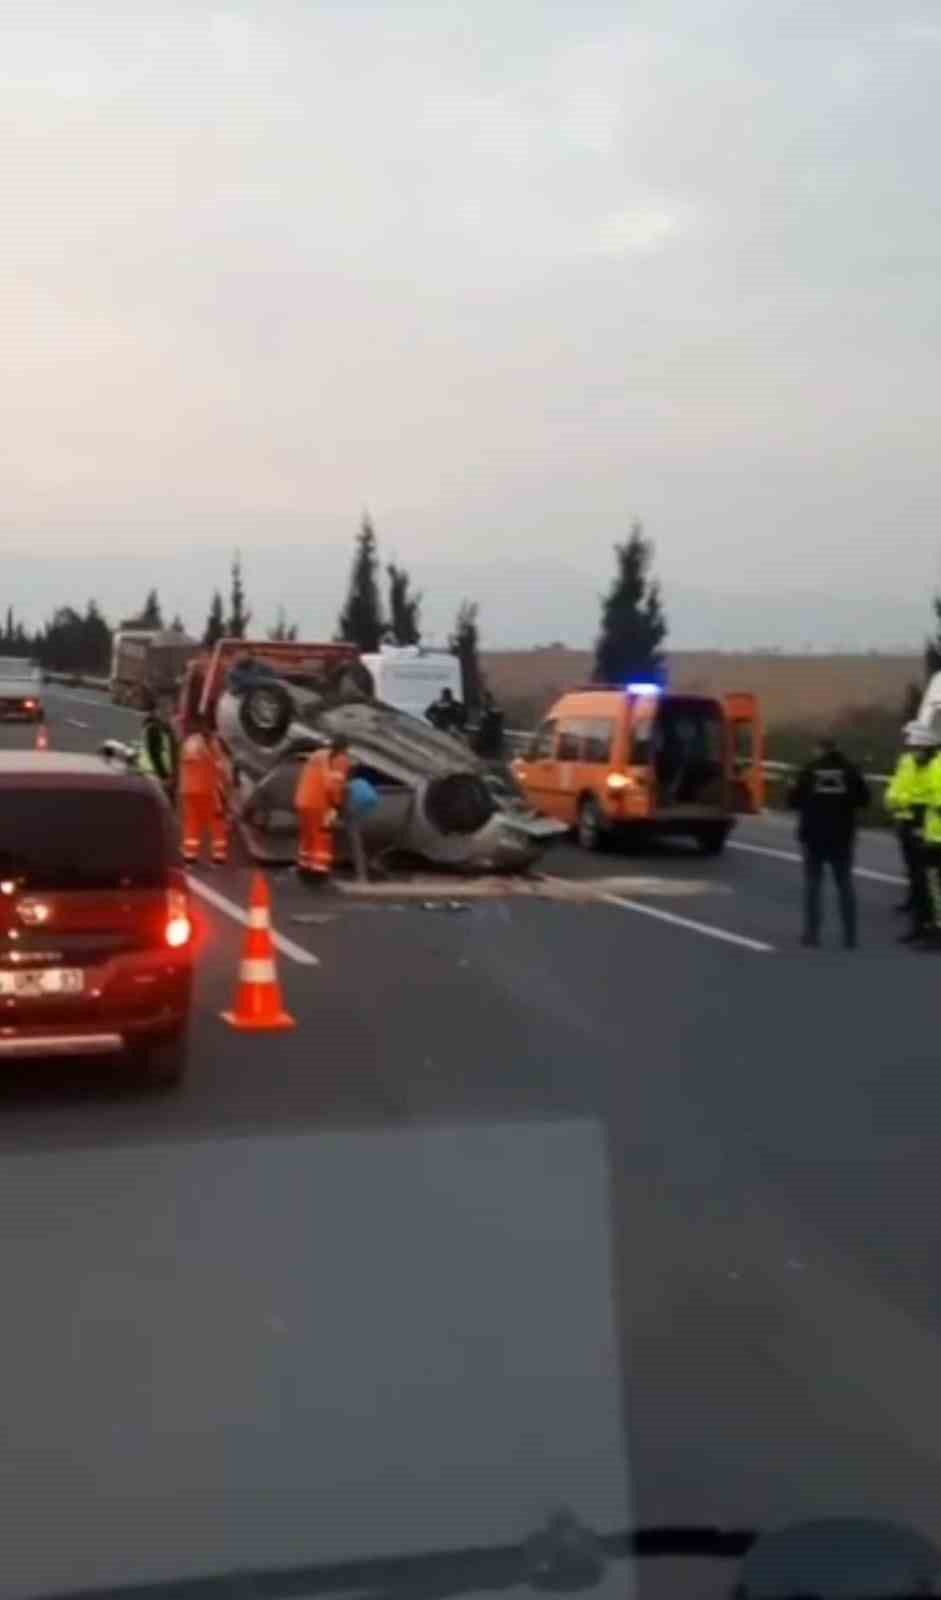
(322, 784)
(225, 776)
(197, 767)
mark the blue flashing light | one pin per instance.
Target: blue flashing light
(644, 688)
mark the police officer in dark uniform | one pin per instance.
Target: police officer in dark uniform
(488, 738)
(446, 714)
(828, 795)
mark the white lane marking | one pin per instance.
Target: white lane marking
(705, 928)
(792, 855)
(295, 952)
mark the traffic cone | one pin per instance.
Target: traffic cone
(42, 737)
(258, 1004)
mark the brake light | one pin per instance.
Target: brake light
(29, 705)
(618, 781)
(179, 929)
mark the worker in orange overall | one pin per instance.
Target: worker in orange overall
(319, 800)
(203, 796)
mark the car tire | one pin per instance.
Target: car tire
(711, 838)
(165, 1064)
(266, 712)
(351, 682)
(590, 828)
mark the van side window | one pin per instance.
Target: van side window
(570, 741)
(542, 745)
(598, 735)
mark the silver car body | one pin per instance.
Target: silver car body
(438, 802)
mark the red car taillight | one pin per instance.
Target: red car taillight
(178, 929)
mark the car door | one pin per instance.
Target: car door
(569, 774)
(538, 773)
(745, 744)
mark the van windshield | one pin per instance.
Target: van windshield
(115, 839)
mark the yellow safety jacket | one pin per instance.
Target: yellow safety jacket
(910, 788)
(932, 824)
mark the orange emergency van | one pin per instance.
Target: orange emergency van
(609, 759)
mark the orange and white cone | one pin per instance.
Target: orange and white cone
(258, 1004)
(42, 737)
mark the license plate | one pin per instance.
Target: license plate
(35, 985)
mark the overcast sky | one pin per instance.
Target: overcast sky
(507, 273)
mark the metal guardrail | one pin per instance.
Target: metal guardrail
(780, 769)
(516, 739)
(78, 680)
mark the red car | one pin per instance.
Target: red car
(96, 936)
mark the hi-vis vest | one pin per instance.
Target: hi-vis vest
(144, 762)
(910, 787)
(322, 784)
(197, 767)
(932, 829)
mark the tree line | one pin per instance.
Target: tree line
(629, 644)
(381, 606)
(368, 622)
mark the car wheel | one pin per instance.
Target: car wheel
(165, 1064)
(711, 838)
(266, 713)
(590, 826)
(357, 680)
(350, 681)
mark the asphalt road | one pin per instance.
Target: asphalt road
(769, 1119)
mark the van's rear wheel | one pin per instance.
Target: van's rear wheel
(589, 828)
(711, 838)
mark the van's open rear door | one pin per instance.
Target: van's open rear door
(746, 753)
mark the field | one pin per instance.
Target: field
(795, 691)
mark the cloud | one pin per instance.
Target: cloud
(638, 229)
(500, 272)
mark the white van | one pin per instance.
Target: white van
(409, 678)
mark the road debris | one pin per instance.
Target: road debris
(435, 893)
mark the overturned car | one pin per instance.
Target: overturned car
(438, 803)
